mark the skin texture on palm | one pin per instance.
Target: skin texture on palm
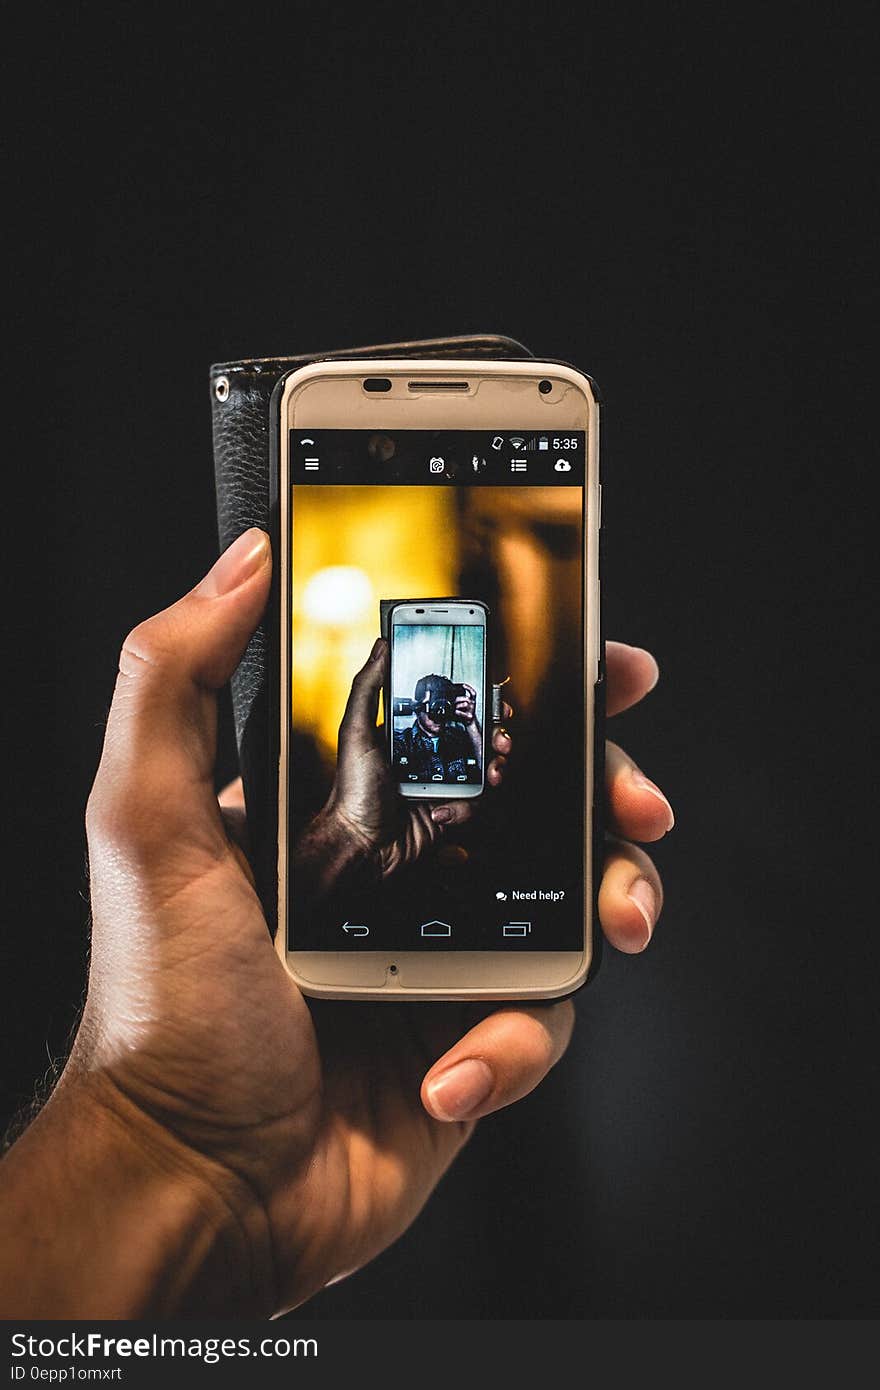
(216, 1143)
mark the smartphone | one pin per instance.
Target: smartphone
(452, 508)
(437, 696)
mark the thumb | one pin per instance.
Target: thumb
(357, 732)
(155, 779)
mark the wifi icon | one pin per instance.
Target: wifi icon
(517, 441)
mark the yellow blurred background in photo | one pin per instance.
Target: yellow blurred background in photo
(353, 546)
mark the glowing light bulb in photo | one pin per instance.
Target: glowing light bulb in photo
(338, 596)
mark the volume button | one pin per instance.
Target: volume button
(599, 523)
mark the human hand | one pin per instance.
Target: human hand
(367, 828)
(466, 705)
(305, 1137)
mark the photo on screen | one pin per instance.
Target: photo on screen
(437, 702)
(509, 867)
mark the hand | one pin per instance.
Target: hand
(466, 705)
(298, 1140)
(367, 829)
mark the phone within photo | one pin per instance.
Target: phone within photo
(437, 697)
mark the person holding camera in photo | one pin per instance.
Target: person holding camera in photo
(444, 741)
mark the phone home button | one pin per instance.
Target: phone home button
(436, 928)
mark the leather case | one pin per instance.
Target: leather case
(243, 397)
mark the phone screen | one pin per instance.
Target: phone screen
(438, 697)
(489, 526)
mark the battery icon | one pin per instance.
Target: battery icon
(543, 442)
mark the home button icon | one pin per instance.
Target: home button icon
(435, 928)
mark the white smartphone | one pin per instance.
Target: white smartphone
(437, 696)
(438, 789)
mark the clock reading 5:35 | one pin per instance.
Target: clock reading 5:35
(565, 444)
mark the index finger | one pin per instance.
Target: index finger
(630, 673)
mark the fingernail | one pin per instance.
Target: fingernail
(642, 894)
(501, 730)
(458, 1092)
(378, 649)
(646, 785)
(653, 660)
(242, 560)
(440, 815)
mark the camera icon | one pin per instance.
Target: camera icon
(436, 465)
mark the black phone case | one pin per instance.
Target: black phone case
(245, 403)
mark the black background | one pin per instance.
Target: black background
(674, 199)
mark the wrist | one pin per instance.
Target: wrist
(332, 851)
(107, 1214)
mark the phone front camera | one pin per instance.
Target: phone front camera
(381, 448)
(545, 387)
